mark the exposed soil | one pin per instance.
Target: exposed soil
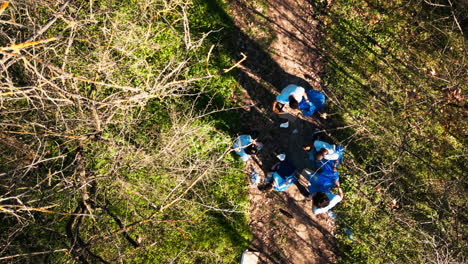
(279, 39)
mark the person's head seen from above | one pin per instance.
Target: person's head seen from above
(251, 149)
(293, 103)
(321, 200)
(320, 154)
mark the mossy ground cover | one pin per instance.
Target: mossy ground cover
(395, 70)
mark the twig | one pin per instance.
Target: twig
(34, 253)
(193, 183)
(433, 4)
(51, 21)
(455, 18)
(244, 57)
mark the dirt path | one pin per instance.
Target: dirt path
(278, 39)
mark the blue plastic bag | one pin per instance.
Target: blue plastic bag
(316, 103)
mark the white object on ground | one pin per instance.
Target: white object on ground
(349, 234)
(295, 131)
(332, 214)
(250, 257)
(285, 124)
(254, 177)
(281, 156)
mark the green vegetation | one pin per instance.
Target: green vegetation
(396, 72)
(113, 140)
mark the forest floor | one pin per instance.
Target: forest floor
(278, 39)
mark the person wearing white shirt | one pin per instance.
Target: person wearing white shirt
(290, 96)
(322, 198)
(326, 151)
(323, 202)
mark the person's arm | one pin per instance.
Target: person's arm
(340, 193)
(305, 96)
(275, 107)
(307, 148)
(322, 115)
(337, 183)
(275, 167)
(334, 165)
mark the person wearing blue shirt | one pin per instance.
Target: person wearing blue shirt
(326, 156)
(246, 145)
(283, 174)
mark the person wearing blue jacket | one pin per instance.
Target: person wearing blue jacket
(246, 145)
(320, 191)
(283, 174)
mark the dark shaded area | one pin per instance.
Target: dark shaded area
(228, 228)
(258, 72)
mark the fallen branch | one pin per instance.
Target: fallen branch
(34, 253)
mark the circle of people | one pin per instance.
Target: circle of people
(327, 157)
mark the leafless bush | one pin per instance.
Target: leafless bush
(70, 71)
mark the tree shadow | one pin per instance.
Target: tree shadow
(292, 229)
(261, 78)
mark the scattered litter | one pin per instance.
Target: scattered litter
(332, 214)
(259, 145)
(254, 177)
(281, 156)
(250, 257)
(349, 234)
(285, 124)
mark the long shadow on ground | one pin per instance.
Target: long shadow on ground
(261, 78)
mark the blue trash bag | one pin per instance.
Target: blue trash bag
(254, 177)
(240, 144)
(316, 103)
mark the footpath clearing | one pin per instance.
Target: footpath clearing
(278, 39)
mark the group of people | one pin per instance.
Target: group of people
(292, 101)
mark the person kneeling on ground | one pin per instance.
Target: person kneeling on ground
(247, 145)
(283, 174)
(322, 198)
(325, 154)
(298, 99)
